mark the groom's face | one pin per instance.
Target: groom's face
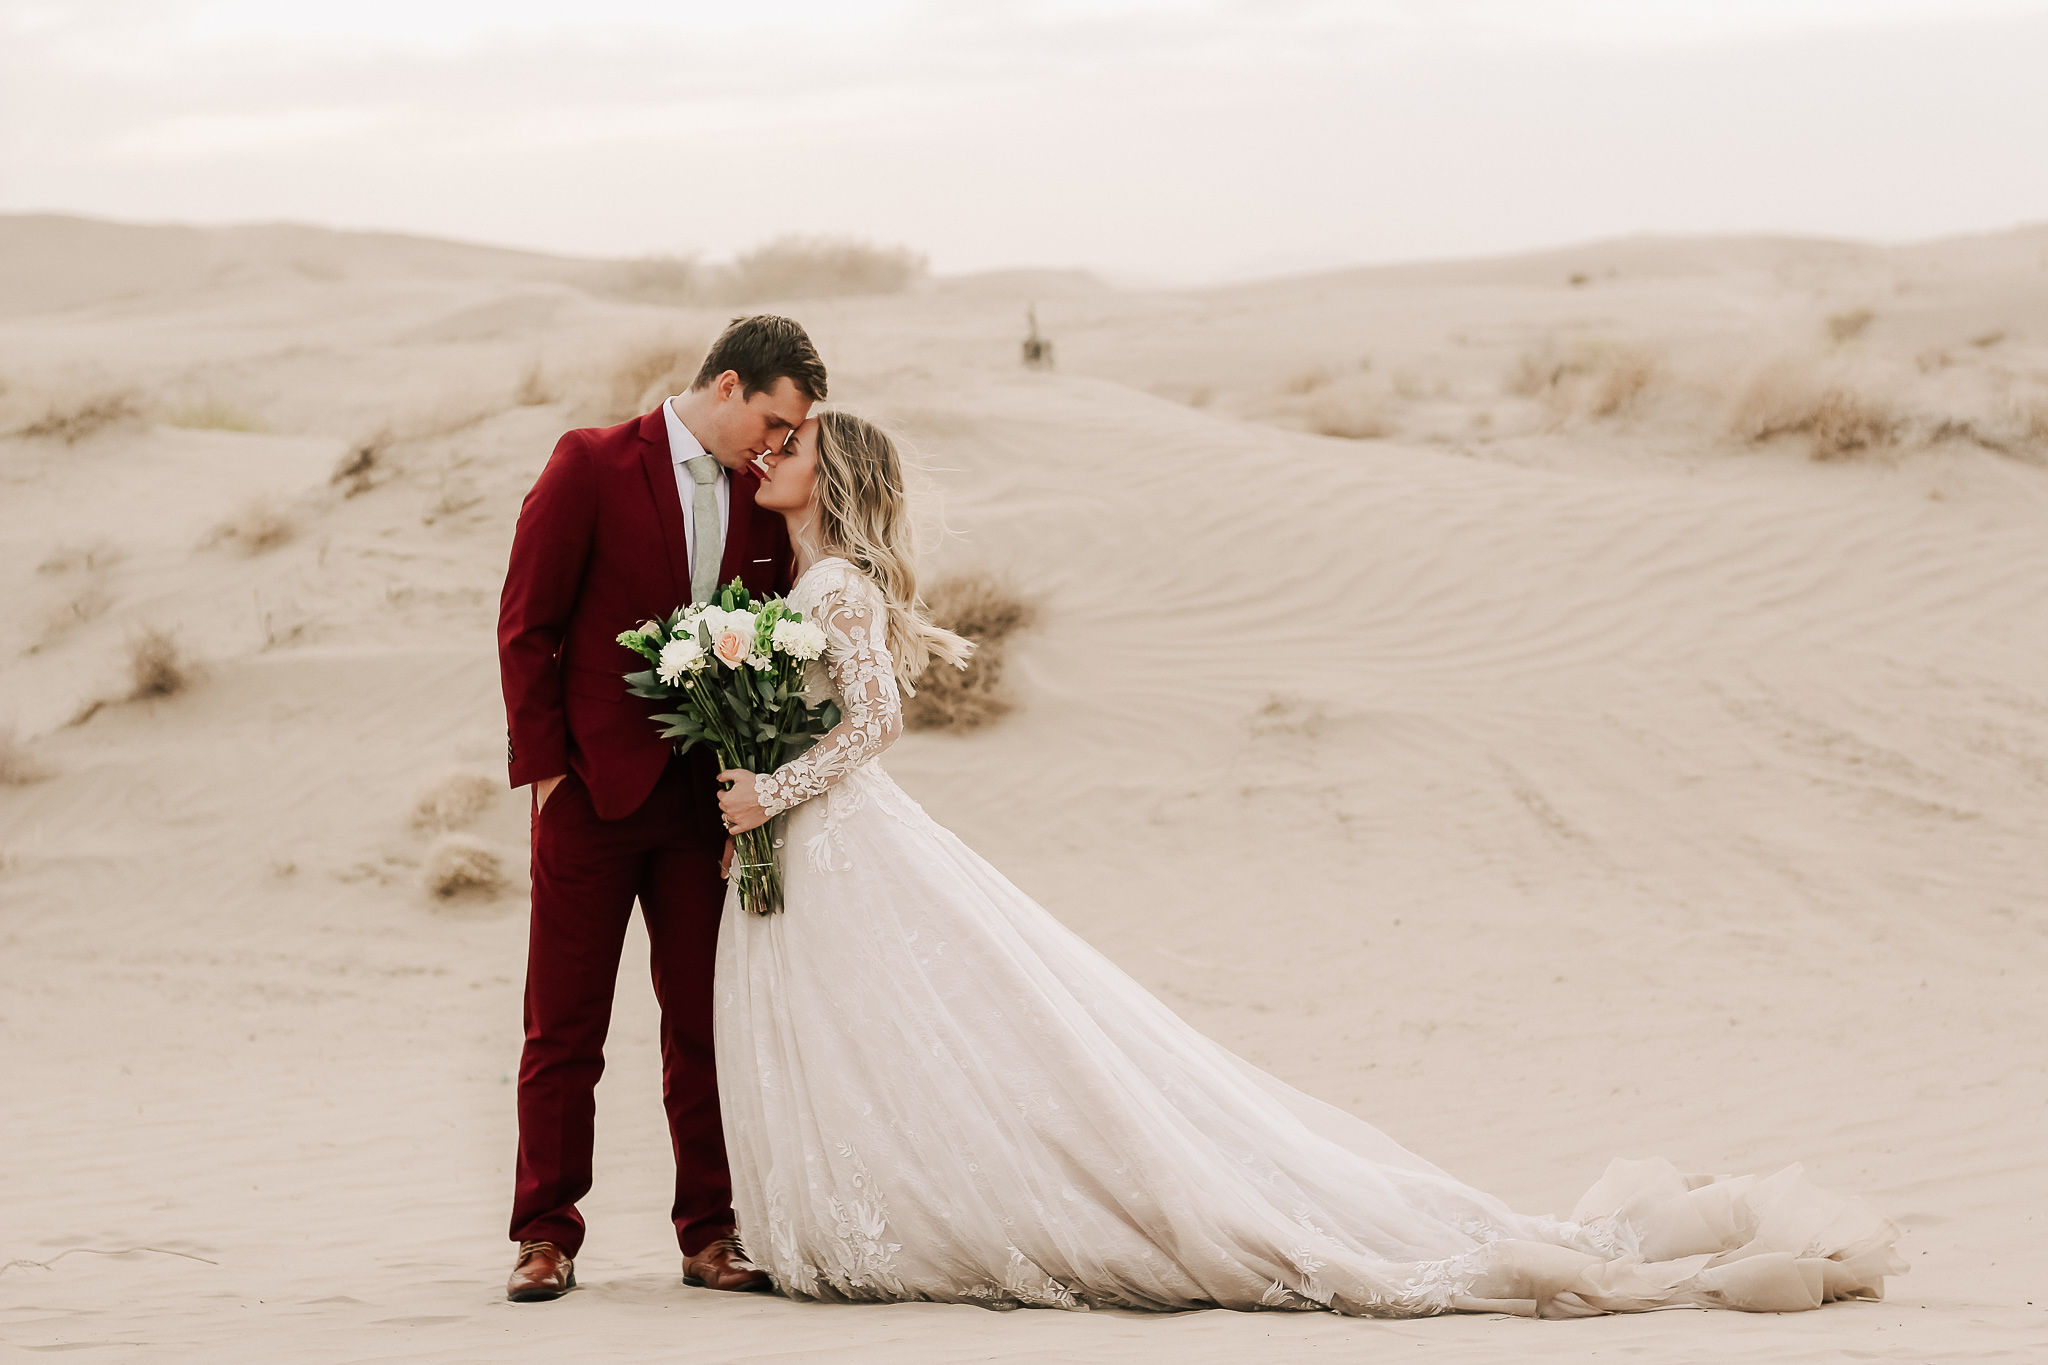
(756, 425)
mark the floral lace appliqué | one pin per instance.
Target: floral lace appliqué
(851, 611)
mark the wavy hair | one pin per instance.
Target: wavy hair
(864, 515)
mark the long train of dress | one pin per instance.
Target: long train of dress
(933, 1089)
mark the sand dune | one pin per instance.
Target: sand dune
(1544, 784)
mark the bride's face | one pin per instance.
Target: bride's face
(789, 474)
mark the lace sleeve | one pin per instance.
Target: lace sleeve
(855, 622)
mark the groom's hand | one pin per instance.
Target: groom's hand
(545, 788)
(737, 804)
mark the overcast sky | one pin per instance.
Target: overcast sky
(1187, 141)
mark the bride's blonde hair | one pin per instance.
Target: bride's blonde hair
(864, 516)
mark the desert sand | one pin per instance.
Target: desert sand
(1578, 705)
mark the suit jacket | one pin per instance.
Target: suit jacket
(599, 549)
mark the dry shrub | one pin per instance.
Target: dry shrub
(71, 421)
(451, 800)
(675, 280)
(536, 388)
(817, 268)
(356, 471)
(986, 611)
(788, 268)
(88, 602)
(1985, 340)
(1602, 379)
(212, 414)
(461, 867)
(85, 595)
(1350, 415)
(18, 767)
(2034, 417)
(1537, 371)
(1848, 325)
(93, 558)
(1622, 377)
(1845, 421)
(259, 525)
(156, 665)
(1305, 381)
(1837, 420)
(646, 374)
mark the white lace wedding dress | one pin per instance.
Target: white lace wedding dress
(933, 1090)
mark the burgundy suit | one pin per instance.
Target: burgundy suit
(600, 547)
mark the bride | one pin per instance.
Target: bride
(932, 1089)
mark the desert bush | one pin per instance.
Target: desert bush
(643, 375)
(986, 611)
(675, 280)
(536, 388)
(84, 594)
(356, 471)
(1305, 381)
(1600, 378)
(18, 767)
(93, 558)
(1351, 415)
(2033, 416)
(787, 268)
(259, 525)
(460, 867)
(817, 268)
(1846, 326)
(451, 800)
(1620, 379)
(212, 414)
(1837, 420)
(72, 420)
(87, 601)
(156, 665)
(1985, 340)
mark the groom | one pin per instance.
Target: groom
(624, 524)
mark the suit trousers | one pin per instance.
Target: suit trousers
(587, 873)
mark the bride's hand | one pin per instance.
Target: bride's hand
(738, 804)
(725, 861)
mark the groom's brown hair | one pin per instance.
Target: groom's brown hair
(760, 350)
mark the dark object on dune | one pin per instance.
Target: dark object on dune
(1037, 350)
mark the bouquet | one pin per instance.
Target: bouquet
(734, 672)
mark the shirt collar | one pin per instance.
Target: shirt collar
(682, 445)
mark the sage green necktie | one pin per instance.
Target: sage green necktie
(710, 536)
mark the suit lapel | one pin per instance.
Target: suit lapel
(659, 466)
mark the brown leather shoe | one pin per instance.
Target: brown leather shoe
(724, 1265)
(542, 1272)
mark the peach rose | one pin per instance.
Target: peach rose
(732, 646)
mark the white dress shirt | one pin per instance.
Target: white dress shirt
(682, 447)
